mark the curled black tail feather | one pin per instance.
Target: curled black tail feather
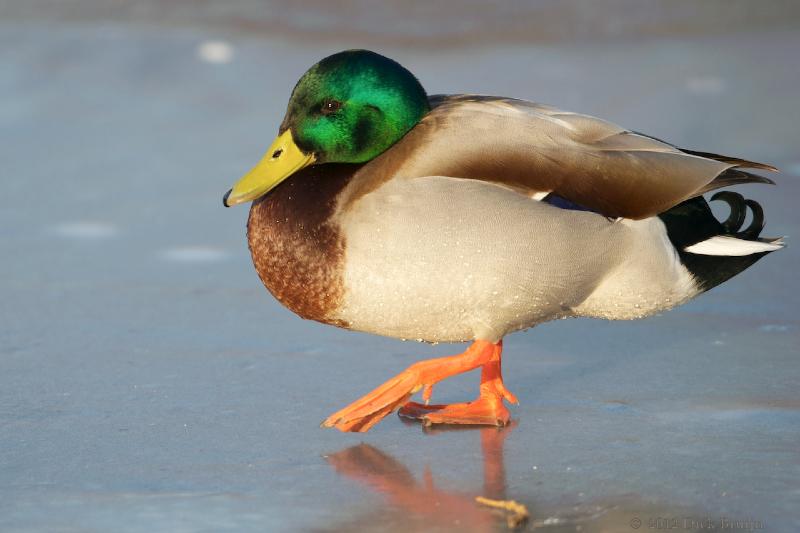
(739, 205)
(738, 210)
(692, 221)
(757, 225)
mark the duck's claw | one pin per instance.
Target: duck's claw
(507, 394)
(427, 392)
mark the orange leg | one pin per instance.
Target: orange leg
(367, 411)
(487, 409)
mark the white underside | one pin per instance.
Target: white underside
(444, 259)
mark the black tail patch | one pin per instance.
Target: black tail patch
(692, 222)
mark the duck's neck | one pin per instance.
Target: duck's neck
(296, 247)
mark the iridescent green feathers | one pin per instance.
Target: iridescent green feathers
(352, 106)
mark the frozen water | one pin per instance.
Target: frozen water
(706, 85)
(194, 254)
(85, 230)
(149, 383)
(215, 52)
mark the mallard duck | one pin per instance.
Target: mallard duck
(456, 218)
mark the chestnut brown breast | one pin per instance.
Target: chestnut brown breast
(296, 249)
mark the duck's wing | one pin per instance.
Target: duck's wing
(537, 149)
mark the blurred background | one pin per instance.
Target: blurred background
(149, 383)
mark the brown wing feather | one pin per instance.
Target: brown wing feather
(535, 148)
(718, 157)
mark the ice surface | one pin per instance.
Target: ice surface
(149, 383)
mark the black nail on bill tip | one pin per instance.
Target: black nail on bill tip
(225, 198)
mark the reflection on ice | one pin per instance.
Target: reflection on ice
(215, 52)
(421, 505)
(86, 230)
(775, 328)
(194, 254)
(415, 504)
(705, 85)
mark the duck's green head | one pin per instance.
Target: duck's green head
(348, 108)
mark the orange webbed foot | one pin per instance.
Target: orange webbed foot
(370, 409)
(485, 411)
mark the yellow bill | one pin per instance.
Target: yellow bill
(283, 158)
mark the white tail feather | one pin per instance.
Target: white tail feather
(731, 246)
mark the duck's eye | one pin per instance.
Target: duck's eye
(330, 106)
